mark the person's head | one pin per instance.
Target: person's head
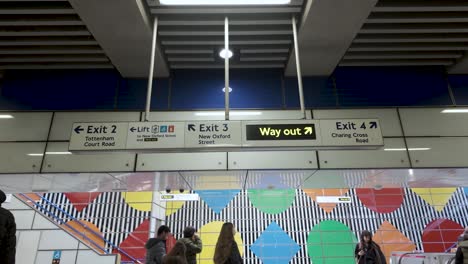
(227, 231)
(366, 237)
(163, 232)
(466, 230)
(189, 232)
(2, 197)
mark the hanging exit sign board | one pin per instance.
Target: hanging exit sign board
(226, 135)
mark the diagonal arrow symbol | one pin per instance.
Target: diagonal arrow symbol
(308, 131)
(373, 124)
(191, 127)
(78, 129)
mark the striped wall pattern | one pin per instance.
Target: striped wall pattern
(109, 212)
(298, 220)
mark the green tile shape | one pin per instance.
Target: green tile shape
(331, 242)
(272, 201)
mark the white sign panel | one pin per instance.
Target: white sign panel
(333, 199)
(213, 134)
(286, 133)
(180, 197)
(351, 132)
(98, 136)
(8, 198)
(155, 135)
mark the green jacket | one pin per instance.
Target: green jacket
(194, 247)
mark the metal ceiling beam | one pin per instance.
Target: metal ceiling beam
(421, 6)
(408, 47)
(220, 23)
(326, 31)
(61, 58)
(417, 17)
(16, 33)
(220, 66)
(23, 66)
(403, 55)
(38, 11)
(410, 38)
(50, 50)
(47, 42)
(217, 10)
(396, 62)
(220, 33)
(220, 42)
(124, 30)
(415, 28)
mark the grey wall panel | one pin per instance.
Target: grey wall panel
(58, 159)
(21, 157)
(182, 161)
(421, 122)
(272, 160)
(63, 121)
(439, 152)
(392, 155)
(388, 118)
(25, 126)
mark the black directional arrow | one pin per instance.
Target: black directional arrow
(191, 127)
(78, 129)
(132, 129)
(373, 124)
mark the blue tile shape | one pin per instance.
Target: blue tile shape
(274, 246)
(217, 200)
(465, 189)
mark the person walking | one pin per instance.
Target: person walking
(156, 247)
(193, 244)
(227, 251)
(7, 234)
(461, 256)
(176, 255)
(367, 251)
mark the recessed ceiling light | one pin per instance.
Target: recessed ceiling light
(455, 110)
(404, 149)
(224, 2)
(223, 54)
(6, 116)
(224, 89)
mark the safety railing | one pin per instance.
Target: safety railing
(85, 237)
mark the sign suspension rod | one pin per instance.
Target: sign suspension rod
(151, 71)
(298, 68)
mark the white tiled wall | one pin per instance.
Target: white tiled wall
(37, 238)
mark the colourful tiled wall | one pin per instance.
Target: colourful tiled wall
(122, 218)
(289, 226)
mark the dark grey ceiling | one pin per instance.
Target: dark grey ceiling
(192, 36)
(46, 34)
(411, 32)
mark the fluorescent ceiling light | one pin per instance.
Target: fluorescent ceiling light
(231, 113)
(224, 2)
(411, 172)
(404, 149)
(455, 110)
(36, 154)
(6, 116)
(224, 89)
(223, 54)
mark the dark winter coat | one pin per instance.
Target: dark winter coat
(461, 257)
(155, 250)
(7, 237)
(194, 247)
(235, 257)
(373, 254)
